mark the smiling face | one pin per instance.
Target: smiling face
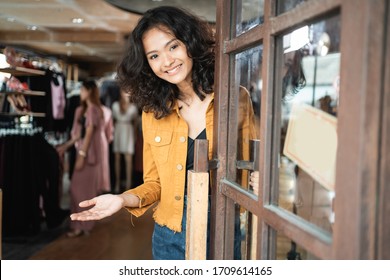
(167, 56)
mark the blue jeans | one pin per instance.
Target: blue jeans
(167, 244)
(170, 245)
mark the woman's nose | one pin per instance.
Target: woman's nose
(168, 60)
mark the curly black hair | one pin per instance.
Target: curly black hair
(135, 76)
(294, 80)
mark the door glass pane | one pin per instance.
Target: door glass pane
(245, 234)
(249, 14)
(287, 5)
(286, 249)
(247, 88)
(309, 89)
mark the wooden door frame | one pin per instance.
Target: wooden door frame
(359, 124)
(361, 228)
(383, 229)
(218, 222)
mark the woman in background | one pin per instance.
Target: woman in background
(90, 135)
(125, 116)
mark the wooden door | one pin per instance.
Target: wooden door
(313, 72)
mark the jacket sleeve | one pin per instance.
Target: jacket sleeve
(149, 192)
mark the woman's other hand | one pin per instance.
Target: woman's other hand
(254, 181)
(79, 162)
(61, 150)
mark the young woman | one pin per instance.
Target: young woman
(91, 132)
(169, 71)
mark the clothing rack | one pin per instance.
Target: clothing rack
(20, 131)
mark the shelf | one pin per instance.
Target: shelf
(25, 92)
(22, 71)
(14, 114)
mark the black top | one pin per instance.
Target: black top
(190, 153)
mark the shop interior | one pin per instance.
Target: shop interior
(289, 54)
(47, 48)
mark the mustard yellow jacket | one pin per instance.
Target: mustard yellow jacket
(164, 154)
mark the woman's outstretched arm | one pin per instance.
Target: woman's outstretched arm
(105, 206)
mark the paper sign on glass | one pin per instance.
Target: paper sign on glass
(311, 142)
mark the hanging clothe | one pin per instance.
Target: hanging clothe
(45, 103)
(29, 169)
(58, 101)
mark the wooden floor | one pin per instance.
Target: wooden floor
(113, 238)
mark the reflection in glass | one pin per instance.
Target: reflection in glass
(309, 87)
(286, 249)
(245, 234)
(248, 85)
(287, 5)
(249, 14)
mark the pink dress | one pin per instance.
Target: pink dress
(93, 178)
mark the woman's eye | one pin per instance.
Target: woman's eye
(154, 56)
(174, 47)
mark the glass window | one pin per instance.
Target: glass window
(245, 234)
(247, 88)
(249, 14)
(309, 84)
(287, 5)
(286, 249)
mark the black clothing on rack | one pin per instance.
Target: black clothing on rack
(109, 92)
(29, 169)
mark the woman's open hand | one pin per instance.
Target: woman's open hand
(103, 206)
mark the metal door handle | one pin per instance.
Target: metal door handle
(253, 163)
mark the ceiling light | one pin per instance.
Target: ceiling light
(68, 44)
(11, 19)
(77, 20)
